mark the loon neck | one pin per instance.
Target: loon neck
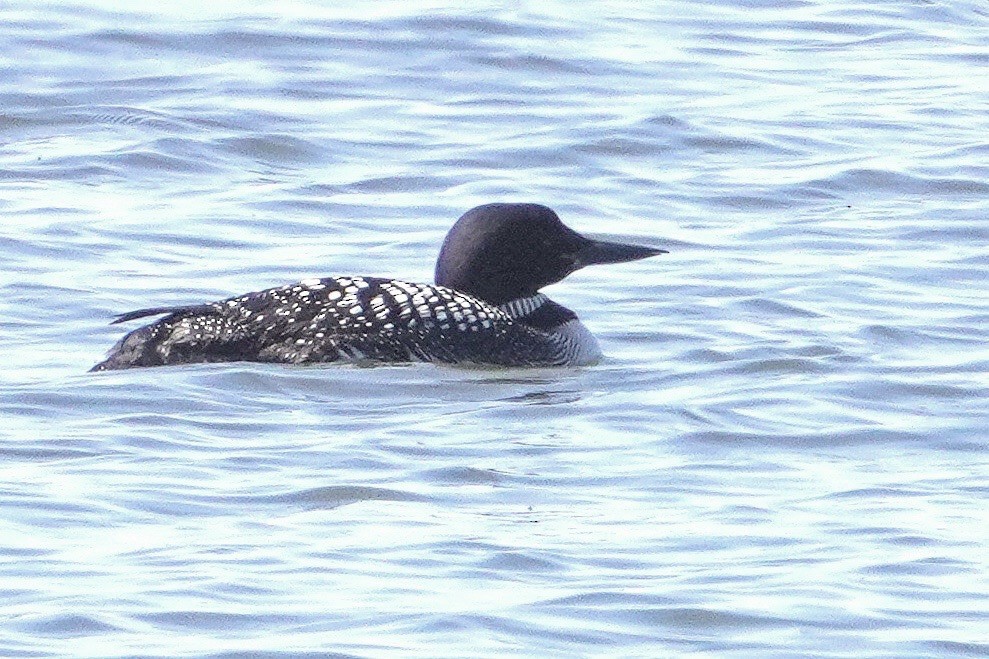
(538, 311)
(523, 306)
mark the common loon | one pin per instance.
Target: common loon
(485, 308)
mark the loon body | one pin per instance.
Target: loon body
(485, 307)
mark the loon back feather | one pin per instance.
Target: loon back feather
(343, 318)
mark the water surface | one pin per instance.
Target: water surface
(782, 454)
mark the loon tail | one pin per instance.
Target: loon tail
(137, 347)
(132, 350)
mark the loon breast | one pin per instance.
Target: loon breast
(358, 319)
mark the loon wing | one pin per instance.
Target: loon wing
(157, 311)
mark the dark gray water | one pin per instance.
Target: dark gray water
(783, 453)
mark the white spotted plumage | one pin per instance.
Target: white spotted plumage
(358, 318)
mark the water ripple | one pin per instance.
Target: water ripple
(782, 453)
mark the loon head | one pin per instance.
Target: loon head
(502, 252)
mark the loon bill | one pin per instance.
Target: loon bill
(485, 307)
